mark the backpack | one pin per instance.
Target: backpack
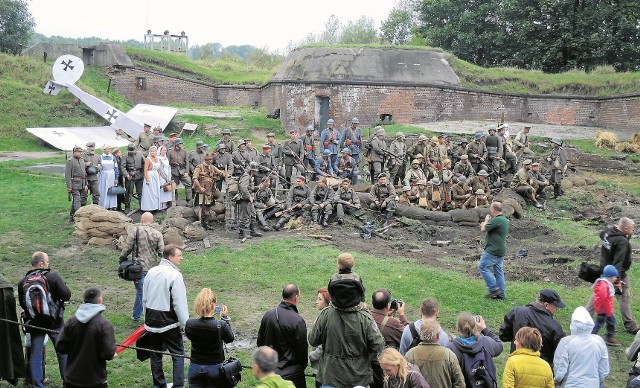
(414, 335)
(475, 371)
(40, 307)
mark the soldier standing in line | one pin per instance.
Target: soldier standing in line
(523, 184)
(276, 149)
(117, 154)
(309, 144)
(204, 180)
(239, 158)
(352, 138)
(433, 161)
(557, 163)
(75, 176)
(250, 151)
(227, 141)
(460, 150)
(133, 171)
(92, 164)
(145, 140)
(419, 148)
(179, 168)
(196, 157)
(297, 201)
(507, 151)
(293, 151)
(247, 222)
(495, 153)
(383, 198)
(347, 200)
(158, 141)
(320, 201)
(266, 164)
(521, 143)
(397, 165)
(377, 154)
(329, 139)
(222, 160)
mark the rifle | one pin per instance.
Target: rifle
(289, 210)
(347, 203)
(298, 160)
(393, 156)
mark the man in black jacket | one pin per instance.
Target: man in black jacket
(89, 340)
(616, 250)
(284, 330)
(538, 314)
(60, 293)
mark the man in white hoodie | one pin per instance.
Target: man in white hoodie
(581, 359)
(164, 296)
(89, 341)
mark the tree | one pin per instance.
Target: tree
(362, 31)
(332, 30)
(402, 20)
(16, 25)
(551, 35)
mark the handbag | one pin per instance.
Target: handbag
(230, 368)
(131, 270)
(116, 190)
(168, 187)
(589, 272)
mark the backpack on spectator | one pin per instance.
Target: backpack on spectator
(41, 310)
(415, 336)
(474, 369)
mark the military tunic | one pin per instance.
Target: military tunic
(75, 176)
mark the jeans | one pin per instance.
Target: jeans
(624, 304)
(137, 304)
(35, 362)
(202, 376)
(490, 267)
(172, 339)
(610, 322)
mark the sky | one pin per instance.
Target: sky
(263, 24)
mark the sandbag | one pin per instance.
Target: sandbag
(179, 223)
(566, 184)
(518, 211)
(181, 212)
(435, 215)
(100, 241)
(578, 181)
(466, 223)
(88, 210)
(482, 212)
(84, 223)
(95, 232)
(172, 236)
(507, 210)
(112, 228)
(194, 232)
(507, 193)
(81, 234)
(109, 216)
(218, 208)
(589, 179)
(459, 215)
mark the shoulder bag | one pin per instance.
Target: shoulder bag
(131, 269)
(230, 368)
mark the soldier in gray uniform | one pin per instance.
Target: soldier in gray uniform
(250, 151)
(477, 152)
(266, 163)
(247, 221)
(495, 151)
(557, 162)
(222, 160)
(240, 158)
(265, 203)
(377, 155)
(297, 201)
(346, 200)
(226, 140)
(397, 165)
(92, 164)
(149, 244)
(179, 168)
(540, 181)
(145, 140)
(320, 201)
(329, 139)
(158, 141)
(383, 198)
(196, 157)
(293, 151)
(132, 169)
(309, 143)
(75, 176)
(276, 149)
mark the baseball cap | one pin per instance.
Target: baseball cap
(550, 296)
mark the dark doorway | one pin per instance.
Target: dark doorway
(322, 111)
(87, 56)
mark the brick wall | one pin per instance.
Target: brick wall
(407, 104)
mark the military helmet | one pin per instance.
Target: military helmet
(221, 146)
(379, 131)
(492, 128)
(346, 150)
(434, 139)
(199, 144)
(130, 147)
(326, 153)
(399, 135)
(226, 132)
(178, 141)
(382, 175)
(556, 141)
(435, 181)
(419, 156)
(415, 161)
(422, 182)
(253, 166)
(483, 173)
(355, 120)
(464, 141)
(477, 136)
(330, 121)
(479, 192)
(422, 138)
(527, 162)
(241, 142)
(158, 138)
(406, 188)
(462, 179)
(76, 148)
(310, 128)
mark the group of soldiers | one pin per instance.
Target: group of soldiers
(442, 174)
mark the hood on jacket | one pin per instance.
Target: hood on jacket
(87, 311)
(581, 322)
(467, 346)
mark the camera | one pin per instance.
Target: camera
(218, 309)
(395, 303)
(476, 318)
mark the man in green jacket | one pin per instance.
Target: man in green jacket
(496, 227)
(350, 339)
(265, 361)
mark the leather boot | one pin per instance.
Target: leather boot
(279, 224)
(314, 217)
(241, 234)
(252, 230)
(325, 220)
(263, 222)
(556, 191)
(387, 218)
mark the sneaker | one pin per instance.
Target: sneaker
(612, 342)
(493, 294)
(135, 319)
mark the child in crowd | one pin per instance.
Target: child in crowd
(603, 293)
(346, 287)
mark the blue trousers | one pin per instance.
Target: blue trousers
(137, 304)
(35, 362)
(490, 267)
(203, 376)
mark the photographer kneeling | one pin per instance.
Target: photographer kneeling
(383, 309)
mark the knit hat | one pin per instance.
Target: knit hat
(610, 271)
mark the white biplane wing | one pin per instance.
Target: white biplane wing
(67, 69)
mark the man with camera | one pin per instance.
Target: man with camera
(147, 244)
(383, 310)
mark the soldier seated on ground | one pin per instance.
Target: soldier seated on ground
(265, 203)
(461, 192)
(414, 174)
(346, 287)
(297, 201)
(479, 199)
(463, 167)
(422, 196)
(347, 167)
(347, 200)
(408, 197)
(435, 195)
(480, 181)
(320, 201)
(383, 198)
(523, 182)
(541, 182)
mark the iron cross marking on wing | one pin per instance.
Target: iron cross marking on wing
(51, 87)
(111, 116)
(67, 65)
